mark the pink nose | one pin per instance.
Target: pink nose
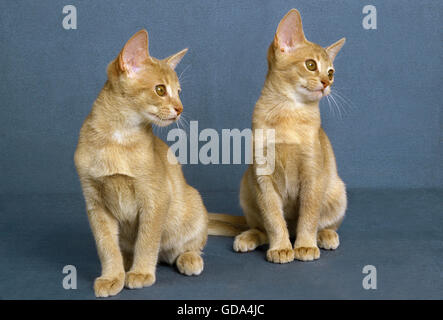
(178, 109)
(325, 83)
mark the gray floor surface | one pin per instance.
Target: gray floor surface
(397, 231)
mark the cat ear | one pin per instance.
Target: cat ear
(134, 53)
(174, 60)
(334, 48)
(289, 33)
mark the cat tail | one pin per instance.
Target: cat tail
(226, 225)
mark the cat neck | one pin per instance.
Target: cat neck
(112, 118)
(284, 106)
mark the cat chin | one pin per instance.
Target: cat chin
(162, 123)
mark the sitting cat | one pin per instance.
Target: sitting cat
(139, 206)
(303, 196)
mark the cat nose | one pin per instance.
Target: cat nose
(325, 83)
(178, 109)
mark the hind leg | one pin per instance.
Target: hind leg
(249, 240)
(190, 263)
(187, 257)
(184, 246)
(328, 239)
(332, 215)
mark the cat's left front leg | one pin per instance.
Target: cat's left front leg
(147, 245)
(305, 246)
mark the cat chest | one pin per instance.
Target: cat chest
(288, 180)
(113, 160)
(293, 164)
(118, 193)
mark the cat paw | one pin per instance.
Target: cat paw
(246, 242)
(108, 286)
(307, 253)
(280, 255)
(328, 239)
(190, 263)
(135, 279)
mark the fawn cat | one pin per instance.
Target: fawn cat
(139, 206)
(304, 196)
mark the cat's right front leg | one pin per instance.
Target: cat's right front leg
(105, 229)
(280, 247)
(147, 245)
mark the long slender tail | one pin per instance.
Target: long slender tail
(226, 225)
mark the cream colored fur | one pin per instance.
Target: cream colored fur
(139, 205)
(304, 197)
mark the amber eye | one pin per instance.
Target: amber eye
(311, 65)
(330, 74)
(160, 90)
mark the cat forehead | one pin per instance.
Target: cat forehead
(304, 53)
(316, 52)
(160, 71)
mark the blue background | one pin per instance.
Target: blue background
(389, 138)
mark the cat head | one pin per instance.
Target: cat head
(302, 69)
(147, 85)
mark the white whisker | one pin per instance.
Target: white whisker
(184, 122)
(348, 103)
(338, 107)
(181, 74)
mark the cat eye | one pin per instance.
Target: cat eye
(160, 90)
(330, 74)
(311, 65)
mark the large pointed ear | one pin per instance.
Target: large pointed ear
(334, 48)
(134, 53)
(174, 60)
(289, 33)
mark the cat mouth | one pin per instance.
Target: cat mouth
(162, 121)
(313, 90)
(318, 91)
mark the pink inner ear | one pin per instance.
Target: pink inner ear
(290, 31)
(135, 51)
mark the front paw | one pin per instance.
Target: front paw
(108, 286)
(136, 279)
(307, 253)
(280, 255)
